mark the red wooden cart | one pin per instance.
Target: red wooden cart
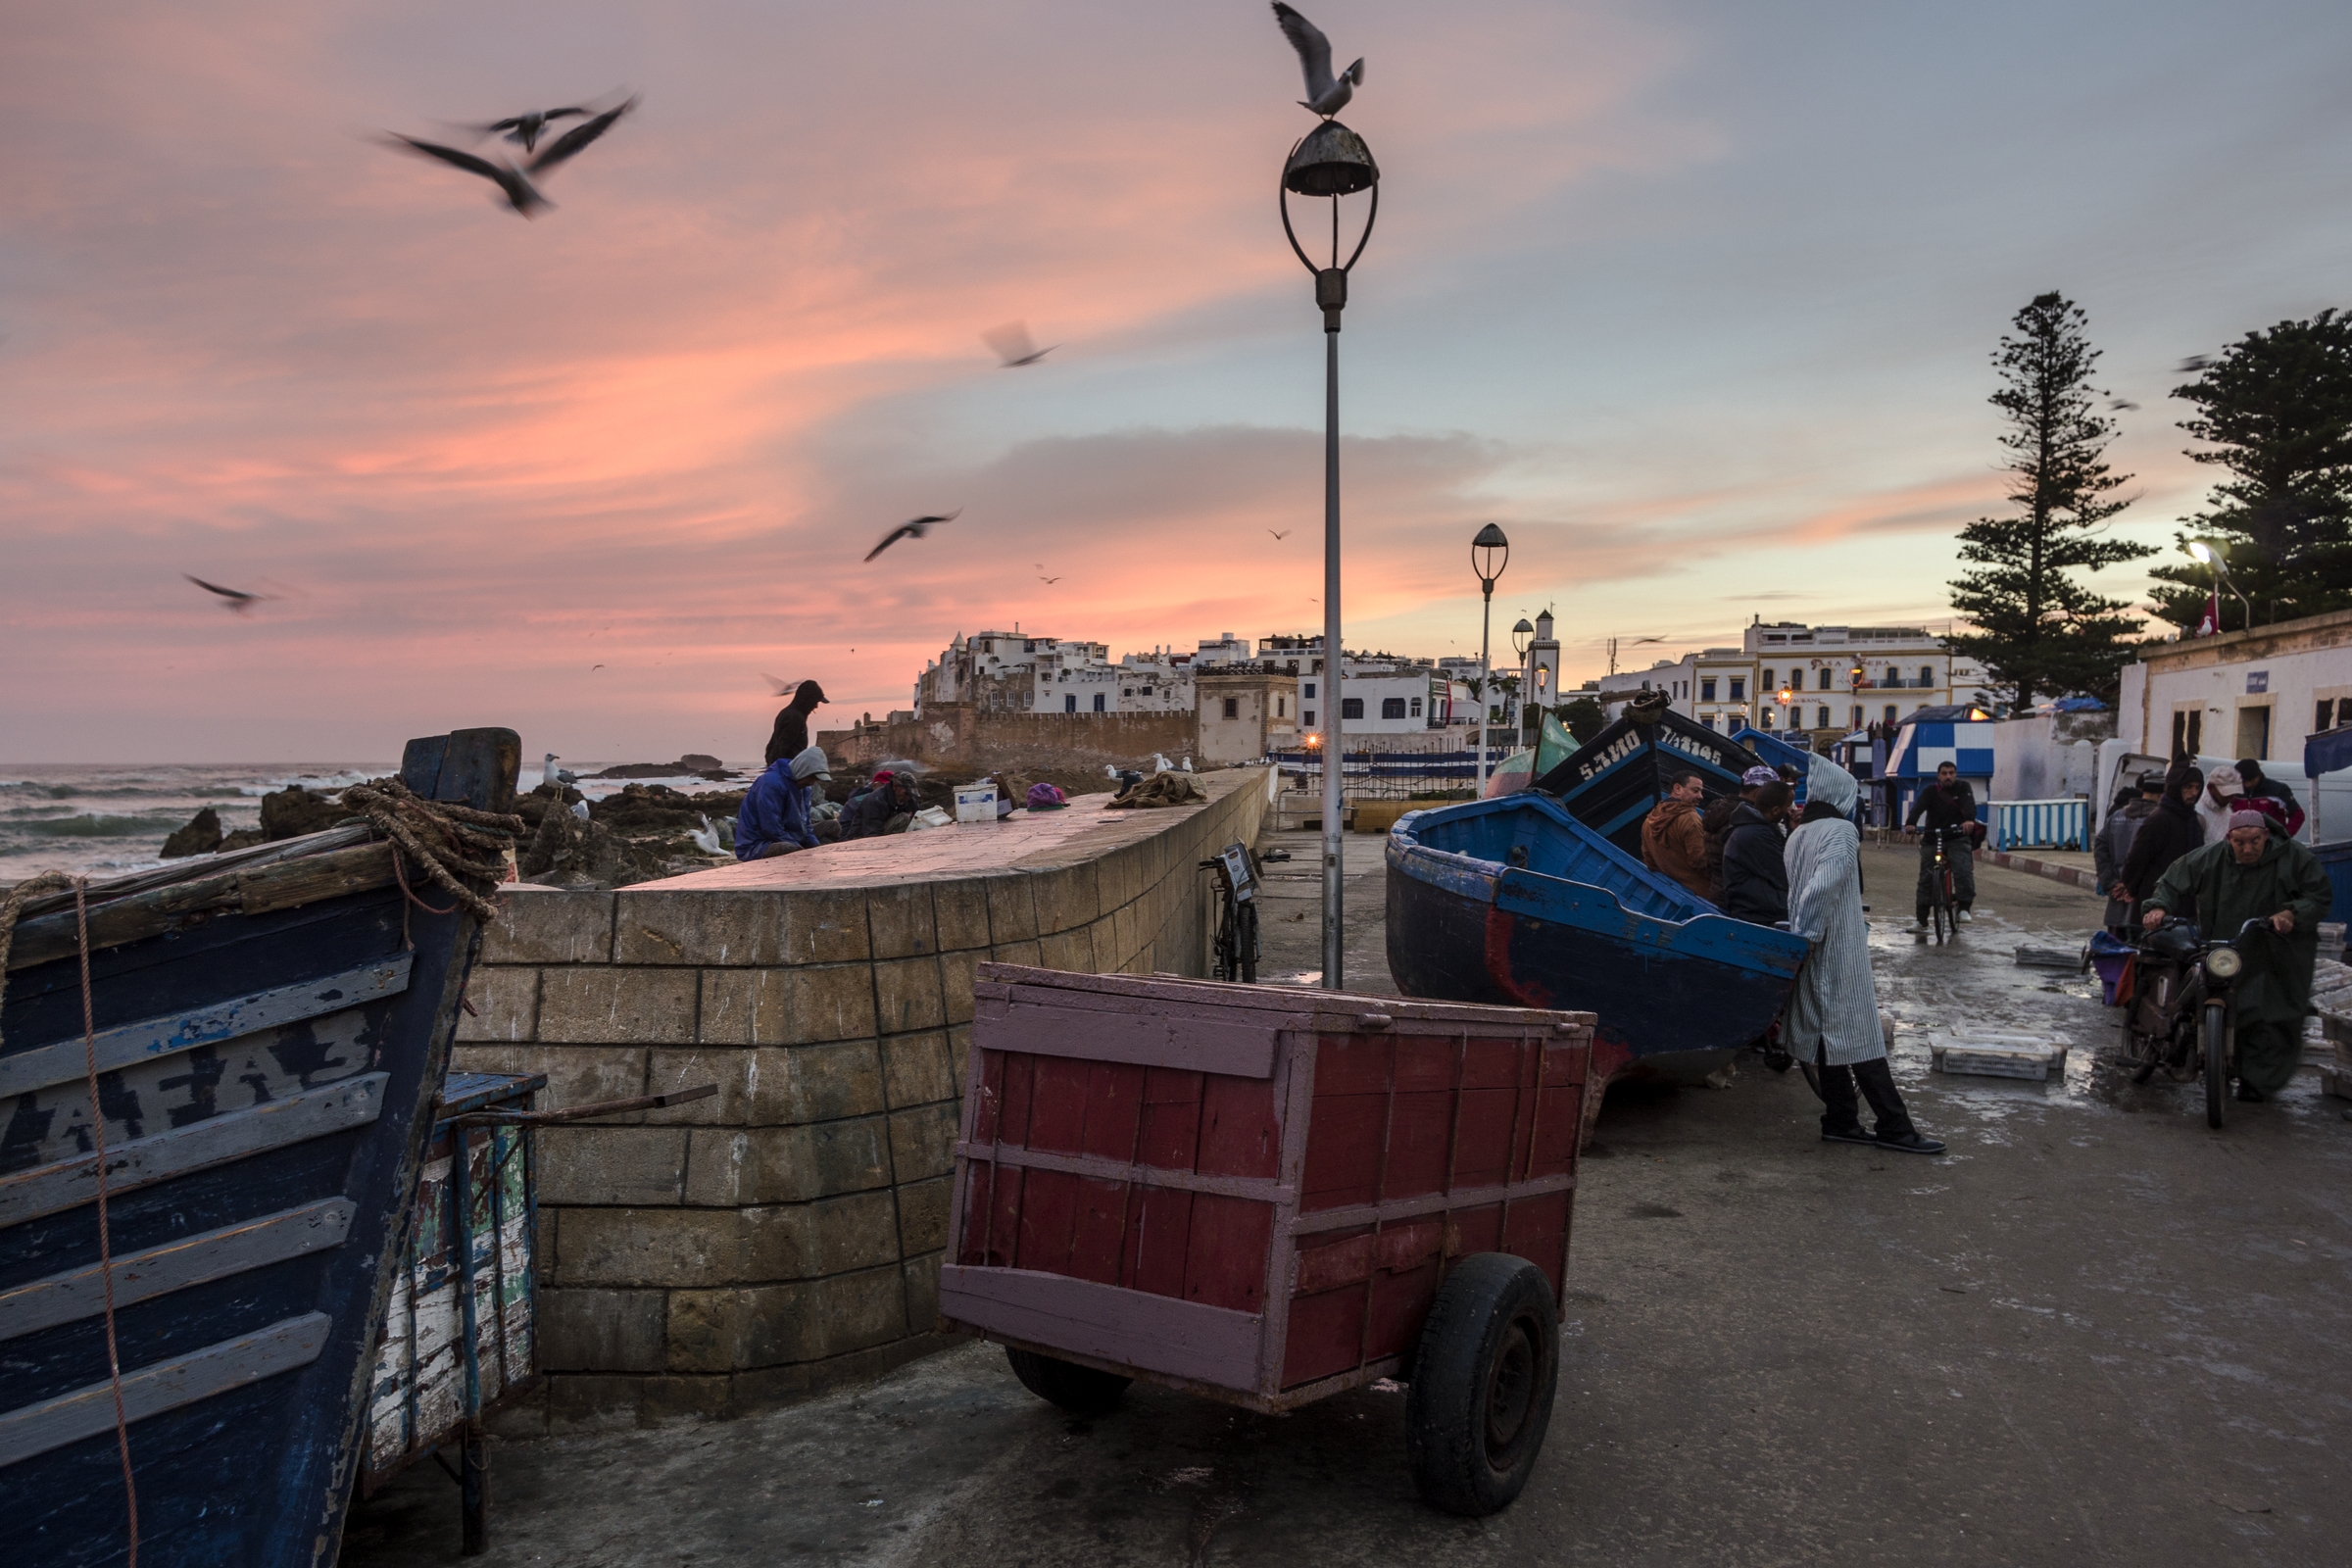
(1269, 1195)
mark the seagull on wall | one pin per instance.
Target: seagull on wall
(1326, 94)
(1013, 345)
(515, 182)
(912, 529)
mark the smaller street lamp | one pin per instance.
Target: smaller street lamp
(1489, 552)
(2211, 558)
(1523, 637)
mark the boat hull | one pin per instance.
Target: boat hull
(1676, 986)
(266, 1078)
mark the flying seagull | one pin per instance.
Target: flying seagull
(913, 528)
(526, 127)
(1326, 95)
(2192, 365)
(1048, 581)
(782, 685)
(1284, 534)
(239, 601)
(2121, 403)
(520, 193)
(1014, 346)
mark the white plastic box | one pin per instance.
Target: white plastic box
(976, 803)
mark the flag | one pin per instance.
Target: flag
(2212, 622)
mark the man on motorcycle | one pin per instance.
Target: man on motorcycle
(2257, 874)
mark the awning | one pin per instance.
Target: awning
(2327, 750)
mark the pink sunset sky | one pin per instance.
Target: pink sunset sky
(1695, 299)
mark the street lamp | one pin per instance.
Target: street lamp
(2211, 558)
(1489, 552)
(1523, 637)
(1331, 161)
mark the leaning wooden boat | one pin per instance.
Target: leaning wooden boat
(266, 1033)
(1614, 779)
(1514, 902)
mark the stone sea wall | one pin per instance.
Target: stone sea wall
(785, 1236)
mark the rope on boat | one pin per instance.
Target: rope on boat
(106, 1245)
(452, 842)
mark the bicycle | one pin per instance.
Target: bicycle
(1237, 951)
(1943, 895)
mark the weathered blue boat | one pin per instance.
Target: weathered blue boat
(1514, 902)
(1613, 780)
(267, 1032)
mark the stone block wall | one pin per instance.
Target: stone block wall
(785, 1235)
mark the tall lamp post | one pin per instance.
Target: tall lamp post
(2211, 558)
(1331, 161)
(1489, 552)
(1523, 637)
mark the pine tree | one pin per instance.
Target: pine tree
(2278, 405)
(2038, 628)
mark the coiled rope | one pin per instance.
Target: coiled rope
(450, 842)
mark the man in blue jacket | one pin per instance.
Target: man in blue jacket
(774, 819)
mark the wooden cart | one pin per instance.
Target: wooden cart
(1269, 1195)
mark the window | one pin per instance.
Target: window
(1707, 719)
(1099, 696)
(1822, 717)
(1307, 690)
(1232, 708)
(1126, 691)
(1353, 708)
(1769, 682)
(1765, 719)
(2325, 716)
(1823, 684)
(1706, 692)
(1307, 718)
(1927, 675)
(1889, 712)
(1739, 688)
(1416, 706)
(1282, 707)
(2188, 729)
(1390, 708)
(1895, 676)
(1147, 691)
(2254, 730)
(1857, 723)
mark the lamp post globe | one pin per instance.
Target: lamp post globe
(1329, 163)
(1489, 552)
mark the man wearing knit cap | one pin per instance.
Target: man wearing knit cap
(1715, 825)
(774, 819)
(2255, 874)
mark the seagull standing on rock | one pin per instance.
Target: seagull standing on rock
(1326, 94)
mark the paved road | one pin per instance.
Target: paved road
(2097, 1333)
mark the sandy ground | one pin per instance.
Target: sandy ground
(2095, 1332)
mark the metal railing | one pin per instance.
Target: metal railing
(2062, 824)
(1389, 775)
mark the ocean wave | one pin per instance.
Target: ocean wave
(26, 786)
(95, 825)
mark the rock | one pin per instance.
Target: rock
(698, 763)
(243, 838)
(291, 813)
(202, 836)
(567, 852)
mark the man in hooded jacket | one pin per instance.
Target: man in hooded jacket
(2113, 846)
(2171, 831)
(1832, 1015)
(2256, 874)
(790, 737)
(1715, 824)
(774, 816)
(1672, 838)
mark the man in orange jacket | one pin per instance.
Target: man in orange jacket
(1673, 841)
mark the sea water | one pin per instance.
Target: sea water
(106, 821)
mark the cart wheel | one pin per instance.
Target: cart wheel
(1484, 1374)
(1079, 1390)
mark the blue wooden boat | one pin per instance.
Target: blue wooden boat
(1614, 779)
(268, 1030)
(1514, 902)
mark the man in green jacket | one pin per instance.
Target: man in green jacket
(2256, 874)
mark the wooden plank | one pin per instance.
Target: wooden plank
(185, 1380)
(1168, 1040)
(175, 1265)
(1130, 1328)
(281, 885)
(1257, 1189)
(313, 1113)
(106, 892)
(1225, 1259)
(214, 1023)
(999, 979)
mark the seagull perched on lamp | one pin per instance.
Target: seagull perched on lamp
(1326, 94)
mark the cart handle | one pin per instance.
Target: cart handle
(602, 1108)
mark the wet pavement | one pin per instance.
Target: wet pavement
(2096, 1332)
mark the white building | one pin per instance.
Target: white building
(1789, 676)
(1381, 693)
(2259, 693)
(1018, 672)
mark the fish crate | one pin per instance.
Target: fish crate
(459, 1338)
(976, 803)
(1998, 1056)
(1248, 1191)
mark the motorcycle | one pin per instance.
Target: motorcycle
(2183, 1015)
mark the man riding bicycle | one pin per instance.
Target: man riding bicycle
(1949, 807)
